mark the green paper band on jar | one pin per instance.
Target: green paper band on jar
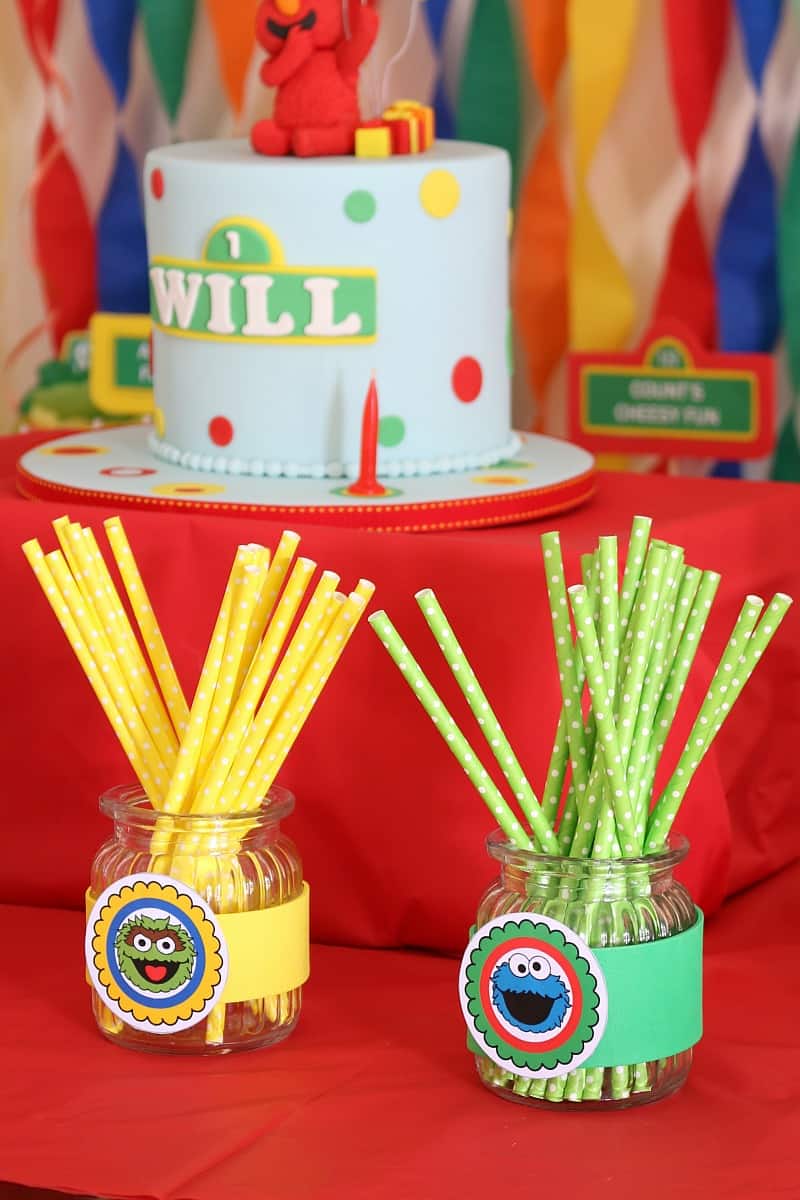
(655, 998)
(539, 1002)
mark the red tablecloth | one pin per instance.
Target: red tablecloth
(375, 1098)
(390, 829)
(359, 1104)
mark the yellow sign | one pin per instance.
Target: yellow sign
(120, 374)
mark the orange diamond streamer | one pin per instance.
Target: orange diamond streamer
(539, 269)
(600, 38)
(234, 33)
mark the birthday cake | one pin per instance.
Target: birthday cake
(329, 327)
(279, 286)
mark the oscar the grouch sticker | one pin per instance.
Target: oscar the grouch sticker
(154, 954)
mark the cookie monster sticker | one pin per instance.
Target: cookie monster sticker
(533, 995)
(155, 953)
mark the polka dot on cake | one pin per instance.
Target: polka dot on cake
(391, 431)
(360, 207)
(440, 194)
(220, 431)
(467, 379)
(128, 472)
(188, 489)
(157, 183)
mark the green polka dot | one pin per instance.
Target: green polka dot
(360, 207)
(392, 431)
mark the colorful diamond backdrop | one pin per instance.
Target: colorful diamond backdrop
(656, 151)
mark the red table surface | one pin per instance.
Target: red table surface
(389, 827)
(374, 1097)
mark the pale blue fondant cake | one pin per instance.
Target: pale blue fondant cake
(279, 285)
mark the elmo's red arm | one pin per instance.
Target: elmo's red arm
(364, 23)
(299, 46)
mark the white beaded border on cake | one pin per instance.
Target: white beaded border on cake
(219, 464)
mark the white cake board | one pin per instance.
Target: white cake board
(114, 467)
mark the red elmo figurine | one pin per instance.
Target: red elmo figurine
(314, 63)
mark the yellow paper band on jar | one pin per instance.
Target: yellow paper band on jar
(268, 950)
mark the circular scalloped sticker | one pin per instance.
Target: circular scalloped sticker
(155, 953)
(533, 995)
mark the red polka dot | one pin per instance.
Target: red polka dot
(127, 472)
(157, 183)
(467, 379)
(220, 431)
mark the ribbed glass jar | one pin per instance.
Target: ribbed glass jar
(608, 903)
(235, 863)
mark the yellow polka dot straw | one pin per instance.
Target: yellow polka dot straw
(35, 556)
(247, 679)
(279, 566)
(179, 796)
(148, 625)
(102, 653)
(263, 664)
(114, 620)
(300, 704)
(279, 689)
(244, 601)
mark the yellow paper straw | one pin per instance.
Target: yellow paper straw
(35, 556)
(300, 703)
(148, 625)
(276, 575)
(178, 797)
(243, 602)
(109, 668)
(279, 689)
(63, 527)
(263, 664)
(114, 621)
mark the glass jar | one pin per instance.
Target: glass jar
(236, 864)
(607, 903)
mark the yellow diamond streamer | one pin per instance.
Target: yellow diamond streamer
(601, 298)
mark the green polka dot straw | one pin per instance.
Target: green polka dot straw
(739, 660)
(607, 735)
(486, 718)
(452, 735)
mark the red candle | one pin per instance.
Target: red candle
(367, 483)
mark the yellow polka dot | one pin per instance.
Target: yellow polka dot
(500, 480)
(188, 490)
(159, 421)
(440, 194)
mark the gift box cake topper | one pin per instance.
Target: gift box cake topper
(315, 55)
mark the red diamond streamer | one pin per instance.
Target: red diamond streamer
(64, 247)
(696, 37)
